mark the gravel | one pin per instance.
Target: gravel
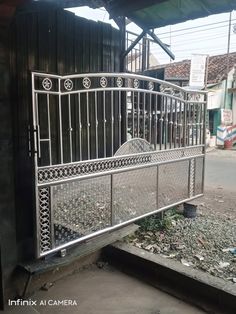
(205, 242)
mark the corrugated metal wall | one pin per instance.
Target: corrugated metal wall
(49, 40)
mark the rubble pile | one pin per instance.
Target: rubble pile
(207, 242)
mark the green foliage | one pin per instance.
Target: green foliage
(157, 223)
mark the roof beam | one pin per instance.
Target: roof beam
(161, 44)
(134, 43)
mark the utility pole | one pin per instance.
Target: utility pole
(228, 49)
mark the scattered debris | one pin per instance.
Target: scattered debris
(47, 286)
(101, 264)
(233, 251)
(186, 263)
(199, 257)
(206, 242)
(223, 264)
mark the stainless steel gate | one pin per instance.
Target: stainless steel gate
(110, 148)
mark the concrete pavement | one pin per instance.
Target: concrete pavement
(221, 170)
(106, 291)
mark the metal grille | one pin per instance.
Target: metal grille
(109, 149)
(80, 208)
(173, 183)
(134, 194)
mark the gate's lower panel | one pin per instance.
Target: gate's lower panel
(73, 209)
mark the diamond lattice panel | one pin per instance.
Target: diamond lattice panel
(173, 183)
(44, 219)
(80, 208)
(199, 176)
(134, 193)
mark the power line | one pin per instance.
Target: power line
(200, 30)
(193, 27)
(195, 40)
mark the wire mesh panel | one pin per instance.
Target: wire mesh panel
(110, 148)
(134, 194)
(173, 184)
(80, 208)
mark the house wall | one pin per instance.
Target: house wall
(43, 38)
(8, 248)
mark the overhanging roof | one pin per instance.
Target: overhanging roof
(145, 13)
(157, 13)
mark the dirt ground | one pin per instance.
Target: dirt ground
(208, 241)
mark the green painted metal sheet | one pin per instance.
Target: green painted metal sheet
(153, 14)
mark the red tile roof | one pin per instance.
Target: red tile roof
(217, 68)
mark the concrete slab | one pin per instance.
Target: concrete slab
(106, 291)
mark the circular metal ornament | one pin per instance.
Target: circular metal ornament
(47, 83)
(134, 146)
(86, 82)
(136, 83)
(103, 82)
(68, 84)
(150, 85)
(119, 82)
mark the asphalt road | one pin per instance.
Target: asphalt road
(221, 170)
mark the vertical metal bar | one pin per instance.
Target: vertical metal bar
(138, 113)
(119, 113)
(193, 122)
(35, 171)
(166, 121)
(70, 128)
(175, 124)
(126, 114)
(49, 131)
(96, 122)
(131, 60)
(150, 118)
(112, 123)
(112, 210)
(144, 114)
(80, 128)
(171, 122)
(132, 98)
(204, 140)
(88, 124)
(38, 149)
(104, 125)
(157, 189)
(155, 123)
(197, 124)
(201, 125)
(180, 123)
(188, 123)
(185, 121)
(161, 123)
(60, 122)
(52, 217)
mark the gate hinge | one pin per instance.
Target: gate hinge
(34, 141)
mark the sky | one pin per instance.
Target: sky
(207, 35)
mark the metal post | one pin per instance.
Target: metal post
(122, 43)
(144, 53)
